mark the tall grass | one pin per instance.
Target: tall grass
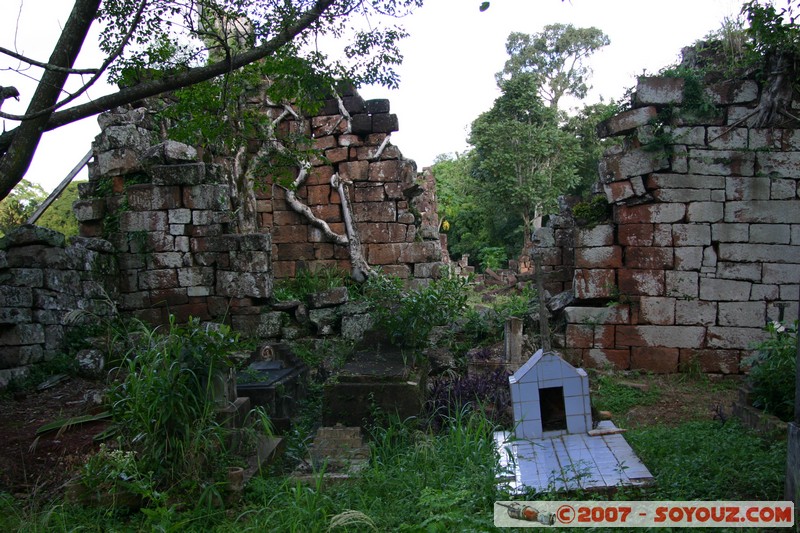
(417, 480)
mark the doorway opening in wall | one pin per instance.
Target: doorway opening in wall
(553, 410)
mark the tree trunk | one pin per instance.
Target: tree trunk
(777, 93)
(137, 92)
(16, 160)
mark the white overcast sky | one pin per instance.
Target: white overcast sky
(447, 78)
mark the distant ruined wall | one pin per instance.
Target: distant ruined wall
(704, 247)
(42, 281)
(166, 220)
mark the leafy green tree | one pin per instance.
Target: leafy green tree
(584, 127)
(523, 158)
(556, 57)
(17, 207)
(461, 215)
(59, 216)
(165, 45)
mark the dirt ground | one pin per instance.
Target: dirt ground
(680, 398)
(40, 466)
(31, 465)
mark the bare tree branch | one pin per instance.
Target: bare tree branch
(10, 175)
(98, 72)
(16, 158)
(46, 66)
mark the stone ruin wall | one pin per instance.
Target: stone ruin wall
(704, 247)
(164, 221)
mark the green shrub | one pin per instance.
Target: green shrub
(308, 282)
(772, 376)
(163, 409)
(492, 257)
(592, 212)
(704, 460)
(486, 326)
(409, 315)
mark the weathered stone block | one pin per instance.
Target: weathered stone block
(355, 170)
(687, 181)
(783, 189)
(118, 162)
(765, 212)
(741, 314)
(429, 270)
(724, 290)
(147, 197)
(244, 284)
(704, 212)
(374, 212)
(385, 123)
(710, 361)
(295, 252)
(765, 292)
(598, 257)
(605, 357)
(691, 235)
(641, 282)
(737, 338)
(695, 312)
(661, 336)
(651, 258)
(137, 221)
(650, 213)
(420, 252)
(626, 121)
(185, 174)
(747, 188)
(635, 234)
(657, 310)
(368, 192)
(328, 298)
(781, 274)
(682, 284)
(16, 296)
(161, 260)
(250, 261)
(730, 232)
(211, 196)
(659, 90)
(85, 210)
(28, 234)
(635, 162)
(157, 279)
(66, 281)
(22, 334)
(598, 236)
(721, 162)
(733, 92)
(290, 234)
(767, 253)
(384, 171)
(682, 195)
(779, 164)
(656, 359)
(15, 315)
(594, 283)
(325, 320)
(618, 314)
(740, 271)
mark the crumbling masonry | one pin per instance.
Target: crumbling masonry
(704, 246)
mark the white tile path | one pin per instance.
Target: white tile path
(569, 461)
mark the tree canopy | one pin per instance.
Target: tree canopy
(556, 57)
(523, 157)
(155, 46)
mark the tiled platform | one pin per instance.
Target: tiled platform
(570, 462)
